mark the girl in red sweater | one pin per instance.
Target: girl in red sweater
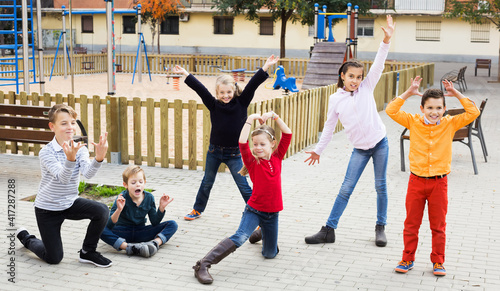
(263, 164)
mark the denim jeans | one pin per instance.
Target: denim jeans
(359, 158)
(135, 234)
(50, 248)
(216, 155)
(268, 222)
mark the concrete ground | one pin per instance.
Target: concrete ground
(353, 262)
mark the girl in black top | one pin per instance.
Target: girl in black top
(228, 112)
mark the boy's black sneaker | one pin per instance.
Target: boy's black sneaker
(23, 235)
(93, 257)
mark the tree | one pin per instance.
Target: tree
(476, 12)
(285, 10)
(155, 11)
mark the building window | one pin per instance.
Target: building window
(266, 26)
(480, 32)
(87, 24)
(170, 25)
(129, 24)
(428, 31)
(223, 25)
(365, 27)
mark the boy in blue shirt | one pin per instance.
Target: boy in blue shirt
(127, 229)
(61, 161)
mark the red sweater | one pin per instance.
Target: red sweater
(266, 176)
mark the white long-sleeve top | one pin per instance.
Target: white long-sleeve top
(357, 111)
(60, 177)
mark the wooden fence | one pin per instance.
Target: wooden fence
(196, 64)
(171, 133)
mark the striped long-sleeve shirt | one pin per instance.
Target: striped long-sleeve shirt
(60, 177)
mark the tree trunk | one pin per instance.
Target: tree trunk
(153, 32)
(159, 34)
(285, 15)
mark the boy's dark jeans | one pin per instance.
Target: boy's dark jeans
(49, 222)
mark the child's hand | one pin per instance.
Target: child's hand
(70, 148)
(101, 148)
(266, 116)
(180, 70)
(313, 158)
(120, 202)
(449, 88)
(389, 30)
(255, 116)
(164, 201)
(272, 60)
(415, 84)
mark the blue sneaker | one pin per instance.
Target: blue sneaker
(192, 215)
(404, 266)
(439, 270)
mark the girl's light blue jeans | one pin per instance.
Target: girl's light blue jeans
(359, 158)
(268, 222)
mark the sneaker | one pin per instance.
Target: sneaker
(439, 269)
(404, 266)
(153, 247)
(22, 233)
(256, 236)
(95, 258)
(140, 249)
(192, 215)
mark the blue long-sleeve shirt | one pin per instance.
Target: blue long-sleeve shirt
(133, 215)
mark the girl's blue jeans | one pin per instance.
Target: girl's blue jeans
(359, 158)
(136, 234)
(268, 222)
(216, 155)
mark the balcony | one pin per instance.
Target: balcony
(419, 5)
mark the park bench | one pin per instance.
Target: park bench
(30, 124)
(80, 50)
(483, 64)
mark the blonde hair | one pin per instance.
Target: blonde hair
(227, 80)
(263, 129)
(130, 171)
(58, 108)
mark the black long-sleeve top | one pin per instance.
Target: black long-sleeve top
(227, 118)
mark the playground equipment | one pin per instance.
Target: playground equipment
(14, 62)
(62, 37)
(282, 82)
(139, 49)
(328, 55)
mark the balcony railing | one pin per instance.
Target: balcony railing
(421, 5)
(198, 3)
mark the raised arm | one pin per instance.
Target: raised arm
(272, 60)
(180, 70)
(281, 124)
(245, 131)
(471, 111)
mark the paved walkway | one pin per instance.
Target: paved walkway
(353, 262)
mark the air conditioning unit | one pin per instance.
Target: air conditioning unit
(183, 17)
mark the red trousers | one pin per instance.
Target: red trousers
(435, 192)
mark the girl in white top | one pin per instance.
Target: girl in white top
(354, 105)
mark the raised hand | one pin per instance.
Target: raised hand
(101, 148)
(266, 116)
(415, 84)
(272, 60)
(389, 30)
(164, 201)
(70, 148)
(120, 202)
(180, 70)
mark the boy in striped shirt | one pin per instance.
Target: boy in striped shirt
(61, 161)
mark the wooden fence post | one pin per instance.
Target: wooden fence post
(150, 119)
(123, 117)
(192, 134)
(3, 145)
(136, 104)
(178, 163)
(96, 111)
(207, 125)
(113, 129)
(164, 150)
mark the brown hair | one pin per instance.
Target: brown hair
(432, 93)
(263, 129)
(58, 108)
(345, 66)
(130, 171)
(227, 80)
